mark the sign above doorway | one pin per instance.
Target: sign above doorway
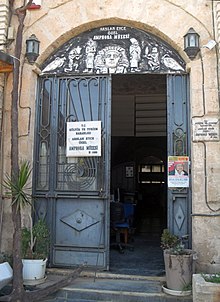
(114, 49)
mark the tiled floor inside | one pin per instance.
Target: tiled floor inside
(145, 259)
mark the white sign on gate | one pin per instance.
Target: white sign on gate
(83, 139)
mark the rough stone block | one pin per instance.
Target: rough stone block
(205, 291)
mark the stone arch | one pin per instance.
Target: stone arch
(78, 30)
(160, 19)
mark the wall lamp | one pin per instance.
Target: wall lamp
(191, 43)
(32, 49)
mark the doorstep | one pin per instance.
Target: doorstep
(104, 286)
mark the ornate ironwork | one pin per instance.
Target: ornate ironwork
(82, 174)
(62, 100)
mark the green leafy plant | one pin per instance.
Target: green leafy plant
(169, 240)
(35, 241)
(213, 278)
(17, 186)
(179, 249)
(172, 243)
(187, 287)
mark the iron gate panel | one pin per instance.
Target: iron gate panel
(79, 232)
(76, 189)
(179, 199)
(78, 219)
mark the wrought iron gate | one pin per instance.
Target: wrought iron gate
(178, 142)
(72, 192)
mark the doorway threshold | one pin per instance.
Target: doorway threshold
(146, 259)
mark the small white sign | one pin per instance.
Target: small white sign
(205, 129)
(83, 139)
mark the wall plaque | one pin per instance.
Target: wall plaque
(83, 139)
(205, 129)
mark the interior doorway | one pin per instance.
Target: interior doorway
(138, 169)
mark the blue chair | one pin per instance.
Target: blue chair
(121, 217)
(129, 213)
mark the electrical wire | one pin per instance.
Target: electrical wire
(205, 215)
(24, 107)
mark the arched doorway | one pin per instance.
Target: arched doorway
(77, 93)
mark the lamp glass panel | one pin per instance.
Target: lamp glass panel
(36, 47)
(192, 41)
(187, 41)
(30, 46)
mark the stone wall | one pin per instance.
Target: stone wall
(57, 21)
(205, 160)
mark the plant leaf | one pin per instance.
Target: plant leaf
(17, 186)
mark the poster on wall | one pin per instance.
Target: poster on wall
(83, 139)
(178, 171)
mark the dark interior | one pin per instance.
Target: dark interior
(138, 169)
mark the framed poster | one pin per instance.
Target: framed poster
(178, 171)
(129, 171)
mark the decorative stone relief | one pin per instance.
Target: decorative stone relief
(114, 49)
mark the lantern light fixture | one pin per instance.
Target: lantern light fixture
(191, 43)
(32, 49)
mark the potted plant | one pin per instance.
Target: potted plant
(35, 250)
(34, 239)
(178, 265)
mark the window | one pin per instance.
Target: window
(152, 171)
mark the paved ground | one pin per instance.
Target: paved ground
(146, 259)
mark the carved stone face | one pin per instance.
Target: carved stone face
(111, 58)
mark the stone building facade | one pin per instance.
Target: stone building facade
(62, 26)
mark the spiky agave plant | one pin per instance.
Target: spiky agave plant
(17, 186)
